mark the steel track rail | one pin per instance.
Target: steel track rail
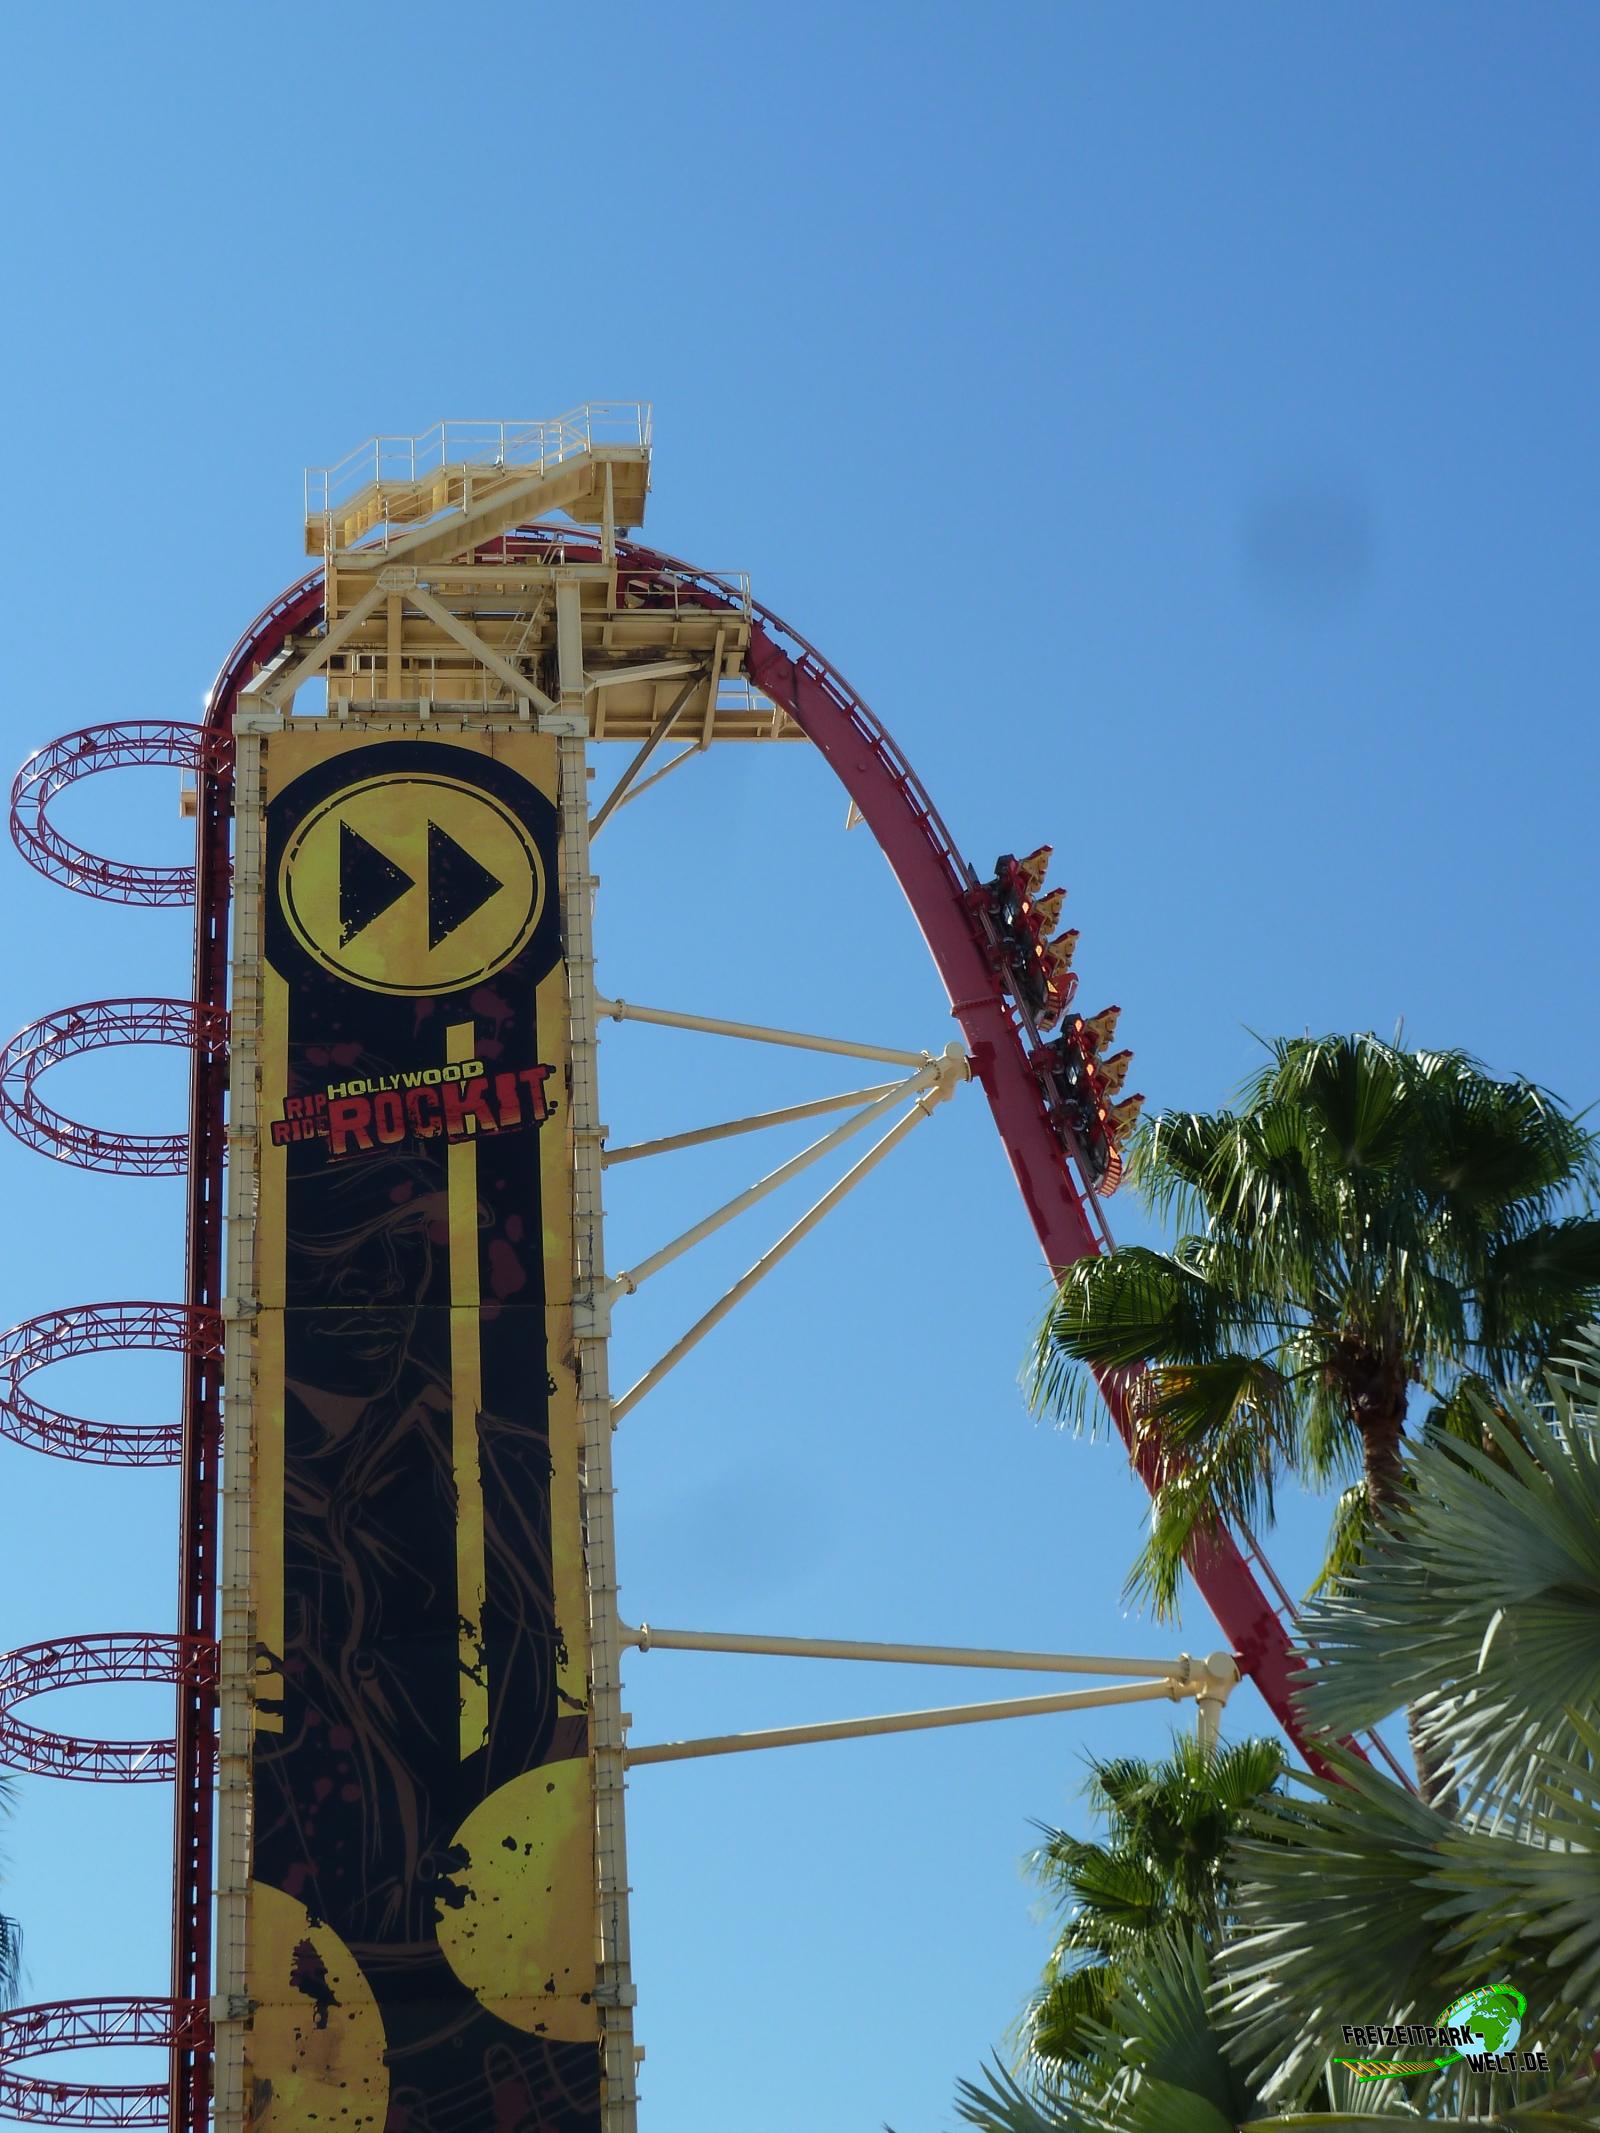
(935, 880)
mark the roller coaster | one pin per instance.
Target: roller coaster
(447, 600)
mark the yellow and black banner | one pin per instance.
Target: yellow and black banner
(422, 1935)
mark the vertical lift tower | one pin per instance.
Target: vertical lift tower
(401, 1887)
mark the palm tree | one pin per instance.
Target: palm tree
(1159, 2064)
(1139, 1910)
(10, 1935)
(1479, 1604)
(1367, 1221)
(1162, 1867)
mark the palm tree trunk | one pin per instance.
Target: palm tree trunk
(1382, 1427)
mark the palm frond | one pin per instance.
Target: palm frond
(1348, 1534)
(1321, 1911)
(1574, 1371)
(1505, 1898)
(1531, 1280)
(1241, 1772)
(1117, 1897)
(1063, 2019)
(1130, 1308)
(1492, 1142)
(1481, 1608)
(1352, 1089)
(1171, 1158)
(1365, 1888)
(10, 1962)
(1162, 2056)
(1351, 2103)
(1228, 1476)
(997, 2103)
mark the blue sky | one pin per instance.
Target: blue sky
(1180, 423)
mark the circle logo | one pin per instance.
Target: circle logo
(412, 884)
(1492, 2014)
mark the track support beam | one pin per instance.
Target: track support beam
(920, 1110)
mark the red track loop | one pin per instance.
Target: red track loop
(79, 755)
(92, 1027)
(72, 2025)
(85, 1662)
(88, 1329)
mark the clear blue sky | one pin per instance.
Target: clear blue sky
(1181, 424)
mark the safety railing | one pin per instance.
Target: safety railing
(677, 588)
(386, 461)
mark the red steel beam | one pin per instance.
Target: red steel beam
(188, 2106)
(935, 880)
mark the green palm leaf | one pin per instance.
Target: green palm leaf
(1481, 1608)
(1362, 1903)
(997, 2103)
(10, 1931)
(1061, 2022)
(1367, 1219)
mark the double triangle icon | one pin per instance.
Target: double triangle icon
(369, 883)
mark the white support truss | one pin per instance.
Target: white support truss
(756, 1122)
(961, 1714)
(942, 1076)
(1206, 1682)
(658, 733)
(921, 1108)
(757, 1033)
(643, 785)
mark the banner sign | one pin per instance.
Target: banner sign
(422, 1916)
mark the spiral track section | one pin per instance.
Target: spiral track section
(175, 2024)
(88, 1329)
(31, 2033)
(130, 744)
(96, 1026)
(91, 1662)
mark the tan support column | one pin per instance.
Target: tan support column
(394, 638)
(1220, 1677)
(591, 1324)
(230, 2008)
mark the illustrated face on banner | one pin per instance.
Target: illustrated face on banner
(423, 1921)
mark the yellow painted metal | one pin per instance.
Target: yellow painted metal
(422, 624)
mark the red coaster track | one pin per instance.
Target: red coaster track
(91, 1329)
(93, 1027)
(1007, 1059)
(70, 2025)
(81, 1662)
(135, 742)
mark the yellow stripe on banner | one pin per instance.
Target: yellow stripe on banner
(466, 1397)
(566, 1431)
(266, 1544)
